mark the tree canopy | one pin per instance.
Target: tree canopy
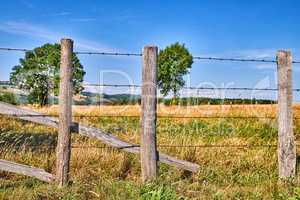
(38, 73)
(173, 63)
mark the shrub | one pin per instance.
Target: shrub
(156, 192)
(8, 98)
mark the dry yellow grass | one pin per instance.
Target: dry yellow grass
(225, 173)
(191, 111)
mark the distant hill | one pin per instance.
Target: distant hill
(85, 98)
(5, 83)
(91, 98)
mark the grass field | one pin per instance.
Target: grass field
(104, 173)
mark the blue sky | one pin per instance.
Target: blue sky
(231, 28)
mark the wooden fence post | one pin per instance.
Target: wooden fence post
(149, 155)
(286, 143)
(65, 113)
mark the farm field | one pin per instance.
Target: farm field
(236, 151)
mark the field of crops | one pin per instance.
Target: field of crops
(228, 170)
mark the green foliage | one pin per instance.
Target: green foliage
(8, 98)
(155, 192)
(173, 63)
(38, 72)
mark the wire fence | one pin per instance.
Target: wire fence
(148, 119)
(191, 87)
(161, 116)
(159, 145)
(140, 54)
(202, 146)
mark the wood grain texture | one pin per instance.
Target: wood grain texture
(148, 114)
(286, 142)
(26, 170)
(65, 113)
(7, 109)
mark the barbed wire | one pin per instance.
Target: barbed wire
(188, 146)
(159, 116)
(14, 49)
(140, 54)
(107, 53)
(194, 88)
(53, 146)
(239, 59)
(159, 146)
(110, 85)
(136, 116)
(234, 59)
(191, 87)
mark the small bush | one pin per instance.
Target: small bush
(8, 98)
(154, 192)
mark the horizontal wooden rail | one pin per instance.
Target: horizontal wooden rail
(106, 138)
(26, 170)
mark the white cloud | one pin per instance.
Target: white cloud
(26, 29)
(40, 32)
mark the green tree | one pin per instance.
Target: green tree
(38, 72)
(173, 63)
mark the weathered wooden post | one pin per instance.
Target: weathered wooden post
(149, 155)
(286, 143)
(65, 113)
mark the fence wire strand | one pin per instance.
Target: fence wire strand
(159, 146)
(193, 88)
(159, 116)
(234, 59)
(107, 53)
(249, 146)
(140, 54)
(15, 49)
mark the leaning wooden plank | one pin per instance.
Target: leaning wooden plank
(106, 138)
(8, 109)
(26, 170)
